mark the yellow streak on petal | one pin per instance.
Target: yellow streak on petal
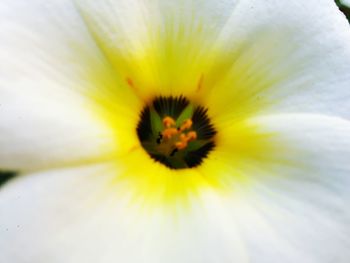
(180, 62)
(233, 165)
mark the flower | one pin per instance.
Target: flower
(174, 131)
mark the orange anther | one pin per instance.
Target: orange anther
(169, 122)
(181, 145)
(169, 132)
(191, 136)
(173, 136)
(183, 137)
(187, 124)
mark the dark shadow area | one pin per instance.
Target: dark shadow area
(5, 177)
(344, 9)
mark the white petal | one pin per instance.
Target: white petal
(296, 210)
(78, 216)
(304, 195)
(48, 65)
(295, 187)
(274, 53)
(283, 56)
(161, 45)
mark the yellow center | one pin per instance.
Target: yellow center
(228, 82)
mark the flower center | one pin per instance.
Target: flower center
(175, 132)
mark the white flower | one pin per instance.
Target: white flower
(260, 174)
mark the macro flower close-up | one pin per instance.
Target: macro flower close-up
(174, 131)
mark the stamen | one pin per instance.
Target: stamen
(178, 138)
(191, 136)
(175, 132)
(185, 139)
(169, 122)
(186, 125)
(169, 132)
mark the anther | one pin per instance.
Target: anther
(191, 136)
(187, 124)
(181, 145)
(168, 122)
(179, 139)
(185, 139)
(169, 132)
